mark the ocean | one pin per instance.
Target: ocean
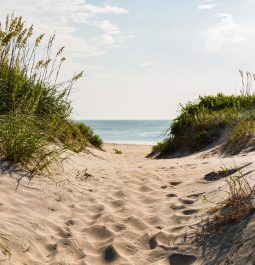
(130, 131)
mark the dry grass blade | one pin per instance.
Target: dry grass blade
(238, 204)
(117, 151)
(3, 246)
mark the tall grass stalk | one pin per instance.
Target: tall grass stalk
(34, 105)
(238, 204)
(203, 122)
(3, 245)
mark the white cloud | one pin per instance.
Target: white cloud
(206, 6)
(108, 27)
(99, 10)
(224, 33)
(74, 22)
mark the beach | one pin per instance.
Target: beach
(106, 208)
(117, 148)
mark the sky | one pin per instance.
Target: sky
(142, 58)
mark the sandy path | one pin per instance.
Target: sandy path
(127, 210)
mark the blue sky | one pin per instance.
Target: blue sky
(144, 57)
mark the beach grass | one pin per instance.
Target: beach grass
(35, 107)
(203, 122)
(238, 204)
(4, 239)
(89, 134)
(117, 151)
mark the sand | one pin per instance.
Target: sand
(104, 208)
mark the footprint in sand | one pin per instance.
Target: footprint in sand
(145, 188)
(153, 242)
(70, 222)
(148, 242)
(181, 259)
(189, 211)
(175, 183)
(52, 247)
(187, 200)
(177, 207)
(110, 254)
(171, 195)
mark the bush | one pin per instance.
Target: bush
(88, 133)
(23, 142)
(201, 123)
(35, 125)
(77, 135)
(28, 82)
(241, 136)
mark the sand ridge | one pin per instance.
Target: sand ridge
(110, 209)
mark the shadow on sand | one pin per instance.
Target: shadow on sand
(231, 244)
(8, 168)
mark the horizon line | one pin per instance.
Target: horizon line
(168, 119)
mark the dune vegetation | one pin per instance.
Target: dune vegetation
(35, 108)
(235, 206)
(205, 121)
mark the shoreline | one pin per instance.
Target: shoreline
(128, 144)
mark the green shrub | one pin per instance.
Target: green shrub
(201, 123)
(22, 141)
(28, 81)
(96, 141)
(241, 136)
(70, 136)
(35, 125)
(88, 133)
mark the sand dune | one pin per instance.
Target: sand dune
(121, 209)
